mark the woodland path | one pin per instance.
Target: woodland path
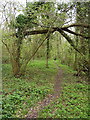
(33, 112)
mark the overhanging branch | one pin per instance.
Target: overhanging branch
(77, 34)
(68, 39)
(77, 25)
(34, 32)
(53, 29)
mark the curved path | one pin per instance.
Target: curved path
(33, 113)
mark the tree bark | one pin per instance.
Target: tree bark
(47, 54)
(76, 56)
(89, 44)
(16, 64)
(58, 45)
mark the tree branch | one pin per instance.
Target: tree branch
(53, 29)
(68, 39)
(34, 32)
(77, 25)
(77, 34)
(6, 47)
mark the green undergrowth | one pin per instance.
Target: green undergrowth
(20, 94)
(67, 69)
(73, 101)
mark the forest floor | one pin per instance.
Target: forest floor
(33, 113)
(52, 92)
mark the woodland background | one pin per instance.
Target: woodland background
(33, 38)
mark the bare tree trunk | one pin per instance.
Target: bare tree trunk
(89, 44)
(16, 65)
(47, 55)
(15, 68)
(58, 45)
(76, 56)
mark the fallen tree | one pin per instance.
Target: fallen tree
(49, 31)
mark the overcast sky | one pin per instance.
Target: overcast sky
(24, 1)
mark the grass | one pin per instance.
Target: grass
(19, 94)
